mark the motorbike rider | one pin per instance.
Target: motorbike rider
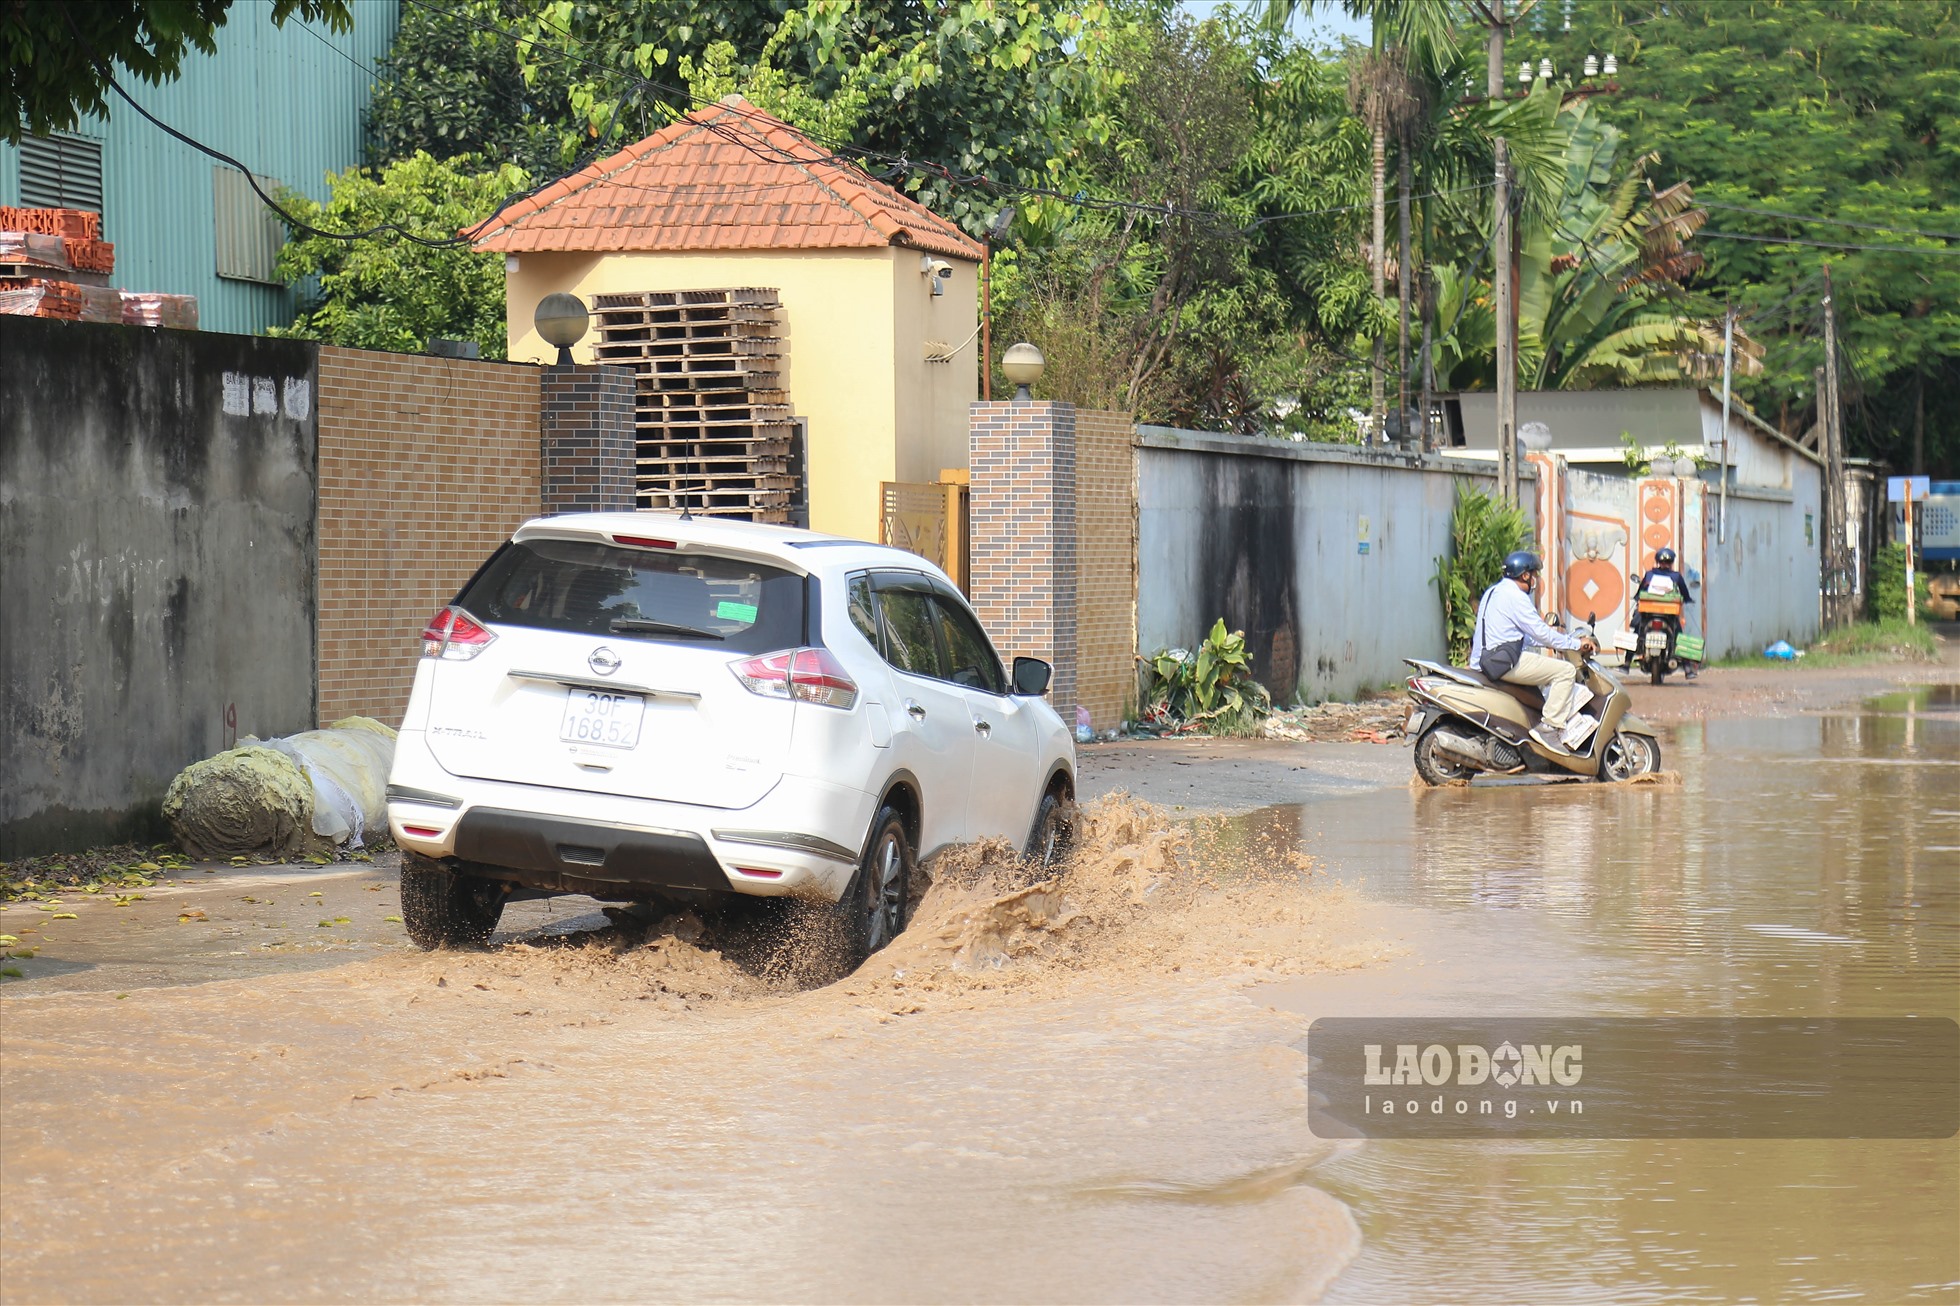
(1509, 629)
(1663, 568)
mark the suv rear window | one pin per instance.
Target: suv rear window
(675, 598)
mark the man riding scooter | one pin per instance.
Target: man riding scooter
(1509, 629)
(1673, 582)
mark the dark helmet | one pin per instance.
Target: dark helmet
(1521, 563)
(1664, 558)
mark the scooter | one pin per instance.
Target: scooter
(1654, 641)
(1465, 724)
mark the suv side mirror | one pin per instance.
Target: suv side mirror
(1031, 676)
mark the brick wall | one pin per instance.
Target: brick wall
(586, 416)
(1022, 478)
(1106, 565)
(426, 465)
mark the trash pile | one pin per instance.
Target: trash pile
(301, 794)
(54, 263)
(1375, 721)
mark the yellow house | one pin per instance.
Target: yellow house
(879, 295)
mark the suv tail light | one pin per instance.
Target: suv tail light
(809, 675)
(455, 635)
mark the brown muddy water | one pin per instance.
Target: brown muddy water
(1038, 1094)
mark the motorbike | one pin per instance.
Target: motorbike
(1655, 643)
(1465, 724)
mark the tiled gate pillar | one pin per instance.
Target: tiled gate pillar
(1023, 532)
(585, 420)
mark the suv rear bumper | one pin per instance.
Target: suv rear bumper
(802, 837)
(548, 847)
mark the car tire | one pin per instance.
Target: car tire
(1053, 835)
(877, 905)
(442, 908)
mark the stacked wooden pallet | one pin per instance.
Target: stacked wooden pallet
(715, 431)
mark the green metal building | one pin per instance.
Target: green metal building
(287, 102)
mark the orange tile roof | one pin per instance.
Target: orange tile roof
(727, 176)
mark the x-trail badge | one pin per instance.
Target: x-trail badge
(603, 661)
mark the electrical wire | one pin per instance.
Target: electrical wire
(1830, 222)
(1826, 244)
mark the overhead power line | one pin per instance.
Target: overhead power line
(1826, 244)
(1829, 222)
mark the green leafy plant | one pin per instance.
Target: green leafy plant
(1212, 688)
(1482, 531)
(1885, 586)
(383, 292)
(1634, 455)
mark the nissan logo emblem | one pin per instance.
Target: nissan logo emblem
(603, 661)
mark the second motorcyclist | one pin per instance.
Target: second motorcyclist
(1674, 583)
(1508, 631)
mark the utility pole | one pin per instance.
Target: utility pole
(1428, 297)
(1834, 519)
(1728, 368)
(1507, 326)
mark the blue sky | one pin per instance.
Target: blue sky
(1326, 22)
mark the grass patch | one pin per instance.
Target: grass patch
(1857, 644)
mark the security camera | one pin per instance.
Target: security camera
(940, 268)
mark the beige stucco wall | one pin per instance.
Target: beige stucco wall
(856, 327)
(932, 399)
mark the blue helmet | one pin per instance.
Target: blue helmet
(1664, 558)
(1520, 564)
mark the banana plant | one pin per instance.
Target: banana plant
(1600, 299)
(1212, 687)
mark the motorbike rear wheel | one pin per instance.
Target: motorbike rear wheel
(1657, 669)
(1436, 768)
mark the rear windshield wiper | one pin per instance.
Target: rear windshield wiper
(647, 625)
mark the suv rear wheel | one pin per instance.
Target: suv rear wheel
(442, 908)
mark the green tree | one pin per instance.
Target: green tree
(382, 292)
(60, 57)
(1000, 89)
(1600, 297)
(452, 84)
(1146, 300)
(546, 84)
(1846, 110)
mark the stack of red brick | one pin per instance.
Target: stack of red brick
(54, 263)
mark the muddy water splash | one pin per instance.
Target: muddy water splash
(1046, 1089)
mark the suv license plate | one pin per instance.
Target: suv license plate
(609, 720)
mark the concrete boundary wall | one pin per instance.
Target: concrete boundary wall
(1323, 554)
(1771, 533)
(156, 566)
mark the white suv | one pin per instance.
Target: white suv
(650, 707)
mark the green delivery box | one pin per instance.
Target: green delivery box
(1687, 647)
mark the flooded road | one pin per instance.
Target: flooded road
(1807, 865)
(1033, 1096)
